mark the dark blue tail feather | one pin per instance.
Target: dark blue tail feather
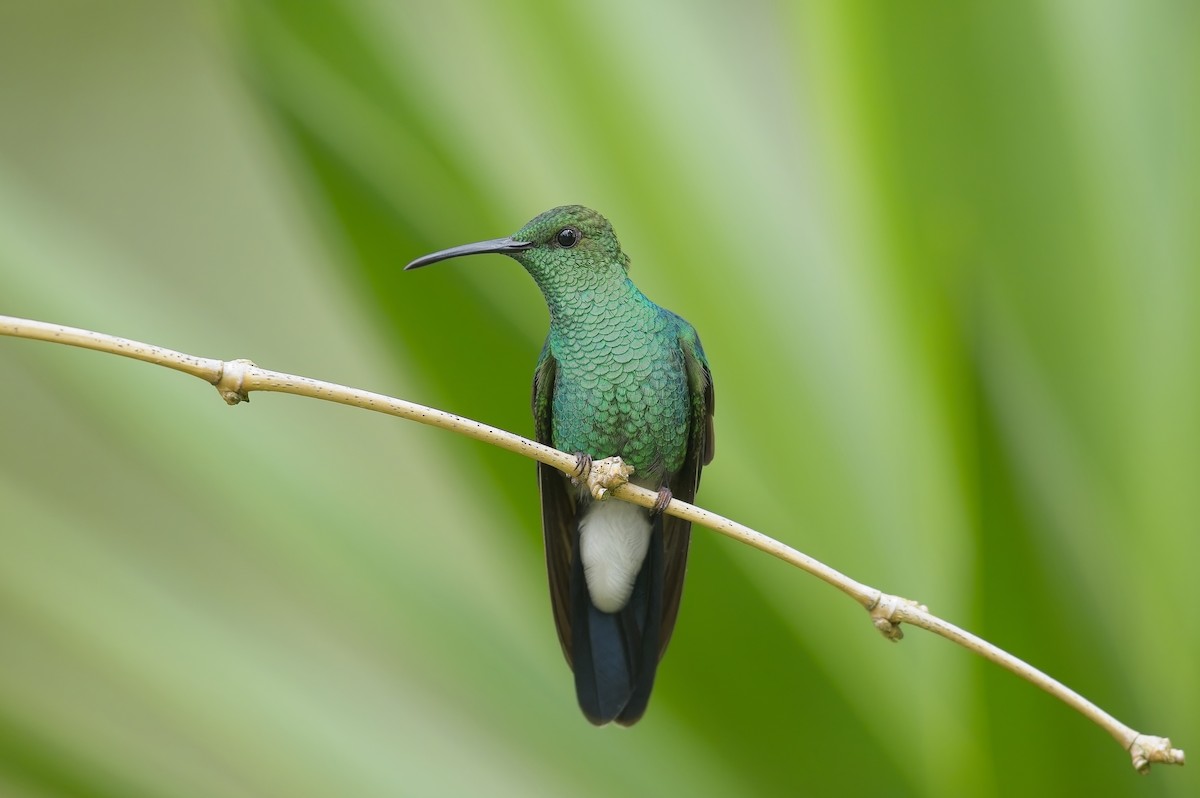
(616, 654)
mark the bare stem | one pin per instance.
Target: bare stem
(235, 379)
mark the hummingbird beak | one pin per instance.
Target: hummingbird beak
(504, 246)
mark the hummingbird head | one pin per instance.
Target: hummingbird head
(571, 235)
(567, 238)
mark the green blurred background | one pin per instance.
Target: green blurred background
(946, 265)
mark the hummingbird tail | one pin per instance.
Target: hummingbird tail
(616, 654)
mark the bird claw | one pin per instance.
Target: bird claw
(660, 504)
(583, 467)
(606, 475)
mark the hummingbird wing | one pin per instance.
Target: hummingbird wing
(677, 533)
(558, 503)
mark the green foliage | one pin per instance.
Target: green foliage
(945, 266)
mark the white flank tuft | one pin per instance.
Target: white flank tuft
(613, 538)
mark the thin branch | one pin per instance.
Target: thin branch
(235, 379)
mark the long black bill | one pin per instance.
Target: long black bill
(502, 245)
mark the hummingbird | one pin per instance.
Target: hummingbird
(617, 376)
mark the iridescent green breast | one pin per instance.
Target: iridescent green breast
(621, 389)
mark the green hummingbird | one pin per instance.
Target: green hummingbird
(618, 375)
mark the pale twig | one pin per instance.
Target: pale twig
(235, 379)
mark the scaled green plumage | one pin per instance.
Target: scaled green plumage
(622, 386)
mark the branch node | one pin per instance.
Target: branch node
(1147, 749)
(886, 616)
(229, 384)
(607, 475)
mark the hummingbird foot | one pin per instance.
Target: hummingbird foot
(583, 467)
(605, 475)
(660, 504)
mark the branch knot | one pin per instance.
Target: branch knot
(230, 383)
(886, 614)
(606, 475)
(1146, 749)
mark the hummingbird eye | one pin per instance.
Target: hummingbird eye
(568, 237)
